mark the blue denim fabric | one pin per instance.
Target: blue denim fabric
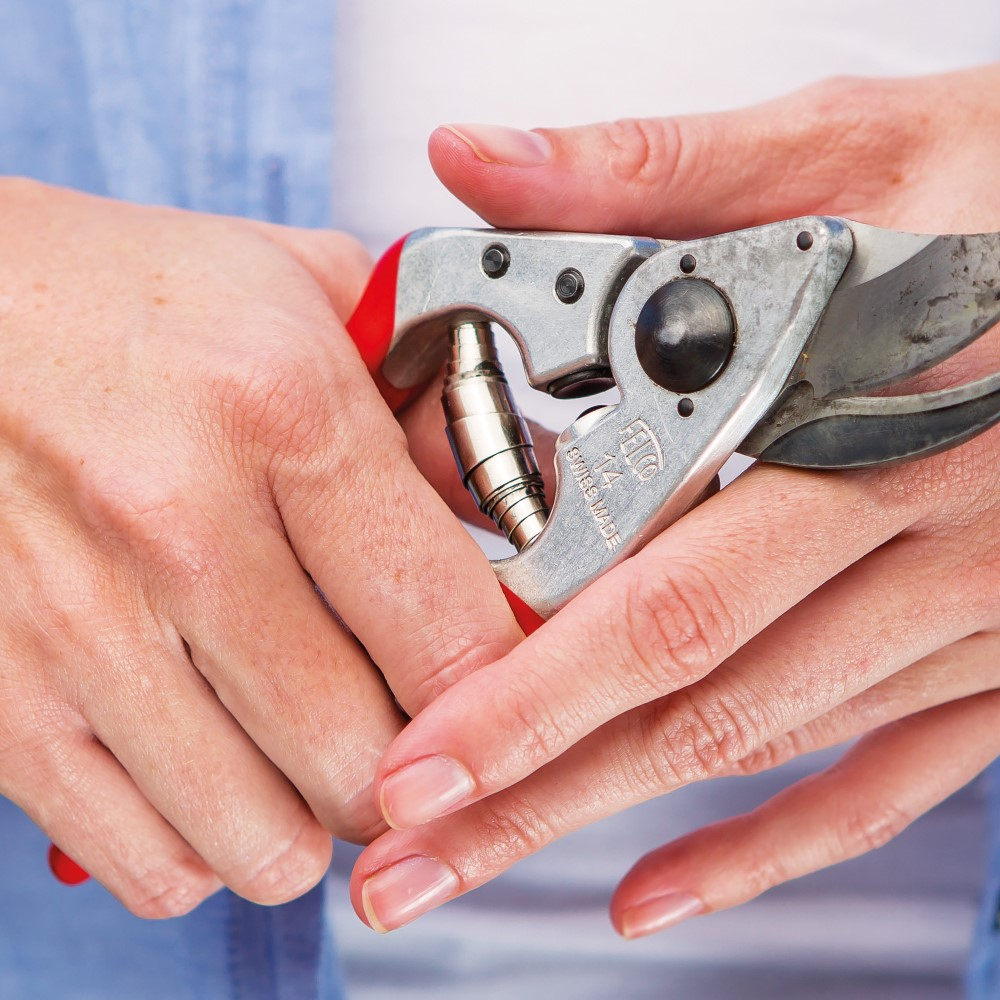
(983, 981)
(220, 106)
(216, 105)
(79, 943)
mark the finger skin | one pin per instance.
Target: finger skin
(841, 639)
(965, 668)
(697, 175)
(694, 585)
(95, 813)
(191, 439)
(657, 177)
(76, 645)
(294, 680)
(356, 508)
(657, 623)
(859, 804)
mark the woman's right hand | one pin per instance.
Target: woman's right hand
(190, 446)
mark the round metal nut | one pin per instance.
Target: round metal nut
(569, 285)
(495, 260)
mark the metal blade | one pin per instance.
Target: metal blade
(904, 303)
(878, 430)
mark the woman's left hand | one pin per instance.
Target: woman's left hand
(793, 610)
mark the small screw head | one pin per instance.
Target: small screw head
(804, 240)
(685, 407)
(569, 285)
(495, 261)
(688, 263)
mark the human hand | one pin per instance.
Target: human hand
(189, 441)
(794, 610)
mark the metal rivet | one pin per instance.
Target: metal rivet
(569, 285)
(495, 261)
(685, 407)
(688, 263)
(804, 240)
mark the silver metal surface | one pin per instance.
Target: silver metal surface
(491, 443)
(821, 309)
(876, 430)
(905, 303)
(627, 471)
(441, 282)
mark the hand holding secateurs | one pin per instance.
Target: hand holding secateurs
(764, 342)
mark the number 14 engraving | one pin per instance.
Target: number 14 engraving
(605, 468)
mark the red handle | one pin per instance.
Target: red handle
(527, 617)
(65, 869)
(372, 322)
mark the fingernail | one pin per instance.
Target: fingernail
(660, 912)
(402, 892)
(499, 144)
(424, 790)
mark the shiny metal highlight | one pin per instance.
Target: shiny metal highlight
(490, 441)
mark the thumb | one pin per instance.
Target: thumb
(690, 176)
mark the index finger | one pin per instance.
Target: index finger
(380, 543)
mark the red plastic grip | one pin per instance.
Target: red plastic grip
(525, 616)
(65, 869)
(372, 322)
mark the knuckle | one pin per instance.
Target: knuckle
(280, 401)
(347, 437)
(162, 530)
(642, 152)
(455, 648)
(707, 737)
(863, 828)
(853, 108)
(37, 728)
(771, 755)
(298, 865)
(152, 513)
(764, 871)
(171, 891)
(536, 732)
(31, 755)
(676, 626)
(645, 761)
(514, 828)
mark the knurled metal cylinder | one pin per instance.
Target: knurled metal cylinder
(490, 441)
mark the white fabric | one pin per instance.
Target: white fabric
(895, 924)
